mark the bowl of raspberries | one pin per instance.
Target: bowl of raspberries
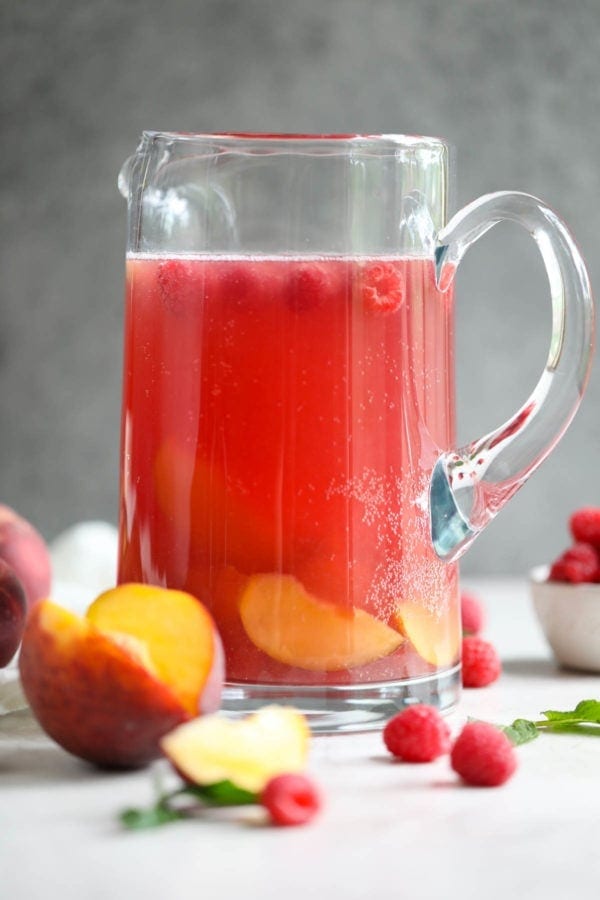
(566, 595)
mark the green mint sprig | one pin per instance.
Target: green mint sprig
(169, 808)
(583, 720)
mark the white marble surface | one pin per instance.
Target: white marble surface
(388, 830)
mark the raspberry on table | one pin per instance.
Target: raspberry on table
(471, 613)
(417, 734)
(480, 662)
(483, 755)
(585, 525)
(291, 799)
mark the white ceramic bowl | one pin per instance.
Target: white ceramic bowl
(570, 617)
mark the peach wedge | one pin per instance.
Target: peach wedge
(295, 628)
(248, 752)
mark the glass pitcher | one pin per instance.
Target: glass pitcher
(288, 428)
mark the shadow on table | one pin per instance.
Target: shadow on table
(28, 756)
(526, 667)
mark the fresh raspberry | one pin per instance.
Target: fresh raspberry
(471, 613)
(417, 734)
(483, 755)
(291, 799)
(480, 662)
(580, 563)
(382, 287)
(585, 525)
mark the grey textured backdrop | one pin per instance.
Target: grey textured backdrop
(514, 85)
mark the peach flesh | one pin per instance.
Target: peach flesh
(180, 635)
(293, 627)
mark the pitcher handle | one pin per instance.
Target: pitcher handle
(470, 484)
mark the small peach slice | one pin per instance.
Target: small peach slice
(247, 752)
(179, 634)
(435, 637)
(291, 626)
(90, 693)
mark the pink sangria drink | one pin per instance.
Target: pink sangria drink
(281, 419)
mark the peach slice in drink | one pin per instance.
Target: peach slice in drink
(291, 626)
(435, 637)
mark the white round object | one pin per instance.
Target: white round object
(85, 555)
(570, 618)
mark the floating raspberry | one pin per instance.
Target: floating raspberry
(471, 613)
(382, 287)
(176, 285)
(417, 734)
(580, 563)
(480, 662)
(291, 799)
(237, 283)
(585, 525)
(308, 288)
(483, 755)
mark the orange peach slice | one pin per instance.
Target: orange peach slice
(291, 626)
(92, 695)
(435, 637)
(182, 641)
(247, 752)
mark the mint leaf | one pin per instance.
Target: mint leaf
(521, 731)
(589, 710)
(586, 712)
(165, 810)
(138, 819)
(591, 729)
(221, 793)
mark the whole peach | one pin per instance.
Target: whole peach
(13, 612)
(25, 551)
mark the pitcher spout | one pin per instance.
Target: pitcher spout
(124, 178)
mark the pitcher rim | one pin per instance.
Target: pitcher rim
(408, 141)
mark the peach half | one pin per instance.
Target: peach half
(290, 625)
(106, 691)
